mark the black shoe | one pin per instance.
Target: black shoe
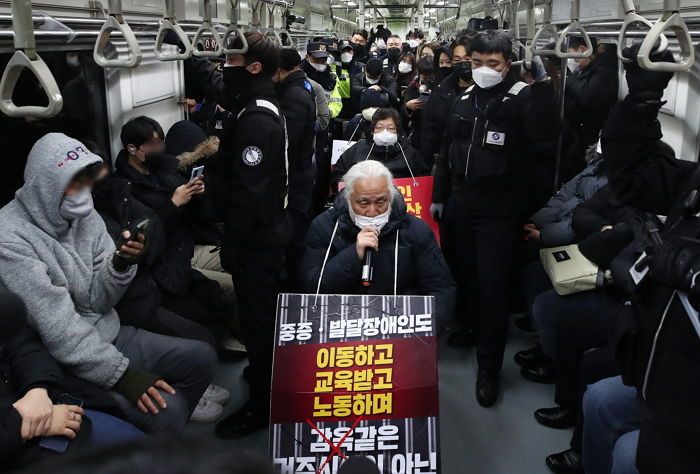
(243, 422)
(525, 326)
(541, 373)
(466, 337)
(530, 357)
(488, 387)
(556, 417)
(566, 462)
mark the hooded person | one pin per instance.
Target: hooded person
(387, 145)
(359, 127)
(58, 257)
(374, 77)
(370, 213)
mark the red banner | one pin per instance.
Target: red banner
(418, 199)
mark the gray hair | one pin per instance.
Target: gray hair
(366, 170)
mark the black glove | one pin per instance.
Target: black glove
(675, 263)
(134, 383)
(646, 86)
(172, 38)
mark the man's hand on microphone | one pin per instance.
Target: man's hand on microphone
(367, 238)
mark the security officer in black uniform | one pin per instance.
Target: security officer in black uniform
(483, 175)
(298, 103)
(248, 181)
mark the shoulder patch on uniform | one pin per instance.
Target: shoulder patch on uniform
(252, 156)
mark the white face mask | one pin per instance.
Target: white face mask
(486, 78)
(77, 206)
(345, 57)
(330, 60)
(413, 43)
(371, 81)
(378, 222)
(367, 114)
(573, 65)
(319, 67)
(405, 68)
(385, 138)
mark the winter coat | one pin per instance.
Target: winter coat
(401, 159)
(63, 269)
(554, 219)
(420, 268)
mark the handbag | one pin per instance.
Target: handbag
(570, 272)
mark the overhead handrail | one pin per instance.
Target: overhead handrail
(518, 47)
(575, 25)
(286, 40)
(234, 30)
(671, 19)
(115, 22)
(270, 31)
(632, 17)
(529, 33)
(26, 58)
(204, 28)
(255, 24)
(547, 27)
(169, 23)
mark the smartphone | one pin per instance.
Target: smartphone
(59, 444)
(197, 172)
(139, 228)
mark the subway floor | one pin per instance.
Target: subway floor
(504, 439)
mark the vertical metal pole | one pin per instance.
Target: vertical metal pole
(562, 106)
(361, 13)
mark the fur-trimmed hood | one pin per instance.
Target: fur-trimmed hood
(204, 150)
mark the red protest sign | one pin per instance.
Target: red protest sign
(355, 376)
(418, 199)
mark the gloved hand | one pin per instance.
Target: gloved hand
(172, 38)
(675, 263)
(646, 85)
(537, 70)
(436, 210)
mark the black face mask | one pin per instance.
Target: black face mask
(236, 78)
(446, 71)
(394, 53)
(464, 69)
(154, 160)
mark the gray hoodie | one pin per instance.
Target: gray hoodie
(63, 269)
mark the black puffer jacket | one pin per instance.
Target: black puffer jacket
(435, 115)
(298, 104)
(660, 350)
(391, 156)
(421, 267)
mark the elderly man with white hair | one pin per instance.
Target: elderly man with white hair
(370, 213)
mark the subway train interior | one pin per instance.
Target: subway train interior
(199, 224)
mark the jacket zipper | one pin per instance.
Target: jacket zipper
(653, 346)
(469, 151)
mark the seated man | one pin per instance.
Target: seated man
(370, 213)
(58, 257)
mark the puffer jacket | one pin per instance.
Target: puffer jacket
(401, 159)
(419, 266)
(554, 219)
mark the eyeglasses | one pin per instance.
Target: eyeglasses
(380, 128)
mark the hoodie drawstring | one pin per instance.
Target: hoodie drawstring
(370, 151)
(415, 183)
(396, 266)
(325, 260)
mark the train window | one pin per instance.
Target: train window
(83, 115)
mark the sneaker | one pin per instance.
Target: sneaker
(206, 412)
(217, 394)
(233, 345)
